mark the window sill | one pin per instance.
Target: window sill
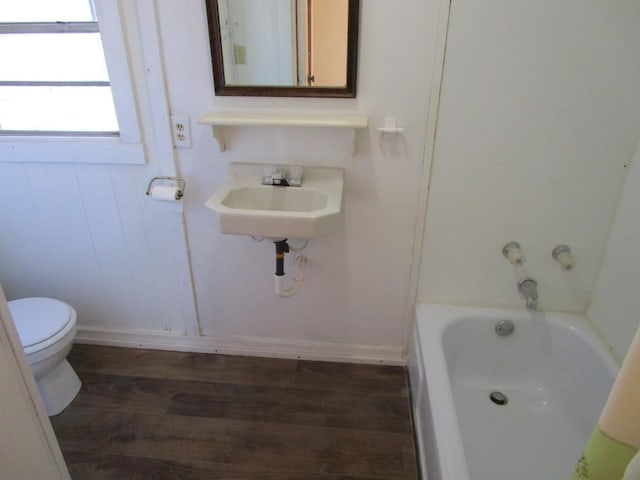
(109, 150)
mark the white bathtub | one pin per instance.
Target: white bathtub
(554, 370)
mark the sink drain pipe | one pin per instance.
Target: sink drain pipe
(282, 247)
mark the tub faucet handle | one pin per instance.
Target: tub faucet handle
(562, 254)
(513, 252)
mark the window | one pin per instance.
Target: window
(53, 76)
(65, 83)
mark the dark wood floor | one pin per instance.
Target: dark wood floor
(144, 414)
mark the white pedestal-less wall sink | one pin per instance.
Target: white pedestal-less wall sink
(246, 207)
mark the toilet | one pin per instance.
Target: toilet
(46, 328)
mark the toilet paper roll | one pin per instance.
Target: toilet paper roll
(166, 193)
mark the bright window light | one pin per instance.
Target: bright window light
(53, 75)
(47, 11)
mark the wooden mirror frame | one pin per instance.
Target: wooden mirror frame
(222, 89)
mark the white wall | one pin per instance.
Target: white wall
(539, 117)
(357, 279)
(86, 233)
(80, 233)
(616, 303)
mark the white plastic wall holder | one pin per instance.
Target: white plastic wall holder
(390, 126)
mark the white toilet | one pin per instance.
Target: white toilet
(46, 328)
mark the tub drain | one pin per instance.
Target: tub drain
(504, 328)
(498, 398)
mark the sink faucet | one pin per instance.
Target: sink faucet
(528, 288)
(282, 176)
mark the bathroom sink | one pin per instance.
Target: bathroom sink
(276, 199)
(245, 207)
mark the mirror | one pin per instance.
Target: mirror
(284, 48)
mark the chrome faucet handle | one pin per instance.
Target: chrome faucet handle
(294, 176)
(277, 178)
(282, 176)
(528, 288)
(267, 174)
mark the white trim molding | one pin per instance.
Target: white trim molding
(444, 13)
(246, 345)
(70, 150)
(112, 30)
(28, 445)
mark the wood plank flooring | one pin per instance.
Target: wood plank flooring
(145, 414)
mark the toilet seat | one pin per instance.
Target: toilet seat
(41, 322)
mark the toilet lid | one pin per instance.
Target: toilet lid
(37, 319)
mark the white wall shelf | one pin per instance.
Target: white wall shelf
(217, 120)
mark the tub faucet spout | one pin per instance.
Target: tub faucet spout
(528, 288)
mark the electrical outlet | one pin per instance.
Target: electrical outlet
(181, 131)
(239, 54)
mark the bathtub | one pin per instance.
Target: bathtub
(553, 371)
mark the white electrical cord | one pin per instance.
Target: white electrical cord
(298, 280)
(297, 249)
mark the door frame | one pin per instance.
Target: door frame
(23, 408)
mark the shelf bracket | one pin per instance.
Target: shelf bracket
(353, 142)
(218, 134)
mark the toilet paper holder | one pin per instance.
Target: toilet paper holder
(180, 181)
